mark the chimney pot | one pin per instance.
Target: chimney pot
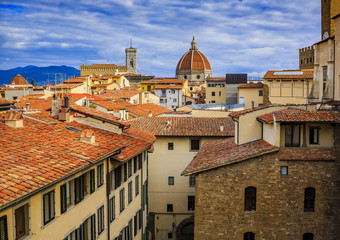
(87, 136)
(27, 106)
(169, 121)
(150, 114)
(221, 127)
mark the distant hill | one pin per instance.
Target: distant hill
(41, 75)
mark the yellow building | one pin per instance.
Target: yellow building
(250, 94)
(82, 183)
(287, 86)
(216, 90)
(171, 196)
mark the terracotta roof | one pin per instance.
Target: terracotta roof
(250, 85)
(266, 118)
(193, 60)
(103, 85)
(170, 80)
(307, 154)
(35, 103)
(143, 110)
(224, 152)
(48, 153)
(106, 65)
(75, 80)
(112, 105)
(184, 126)
(245, 111)
(18, 80)
(62, 86)
(298, 115)
(119, 93)
(284, 74)
(169, 87)
(216, 79)
(3, 100)
(99, 115)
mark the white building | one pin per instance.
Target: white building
(171, 96)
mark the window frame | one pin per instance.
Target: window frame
(171, 180)
(100, 220)
(112, 209)
(191, 203)
(292, 133)
(198, 145)
(309, 199)
(282, 172)
(100, 175)
(137, 185)
(170, 146)
(312, 131)
(130, 195)
(26, 221)
(192, 181)
(3, 221)
(250, 195)
(308, 236)
(50, 207)
(169, 207)
(249, 236)
(121, 200)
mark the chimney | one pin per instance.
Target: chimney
(221, 127)
(66, 101)
(14, 119)
(122, 113)
(87, 136)
(150, 114)
(168, 121)
(27, 106)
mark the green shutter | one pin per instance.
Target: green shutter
(63, 206)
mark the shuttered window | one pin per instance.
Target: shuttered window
(92, 181)
(48, 207)
(79, 186)
(3, 228)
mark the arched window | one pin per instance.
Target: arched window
(250, 199)
(249, 236)
(309, 199)
(308, 236)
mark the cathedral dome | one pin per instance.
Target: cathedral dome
(18, 80)
(193, 65)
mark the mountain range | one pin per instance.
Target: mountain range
(41, 75)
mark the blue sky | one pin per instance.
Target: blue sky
(237, 36)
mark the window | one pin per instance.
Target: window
(249, 236)
(130, 192)
(21, 221)
(171, 180)
(79, 187)
(130, 168)
(194, 144)
(137, 185)
(308, 236)
(170, 146)
(135, 164)
(191, 203)
(172, 91)
(213, 101)
(100, 175)
(118, 176)
(163, 93)
(313, 135)
(66, 196)
(213, 94)
(198, 76)
(122, 200)
(185, 76)
(100, 213)
(3, 228)
(250, 199)
(260, 93)
(125, 172)
(92, 181)
(169, 207)
(86, 231)
(324, 74)
(140, 156)
(284, 171)
(149, 88)
(309, 205)
(112, 209)
(292, 135)
(169, 235)
(219, 93)
(129, 230)
(48, 207)
(192, 181)
(174, 100)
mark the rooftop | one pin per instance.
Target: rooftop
(224, 152)
(289, 74)
(184, 126)
(250, 85)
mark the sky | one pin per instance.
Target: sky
(237, 36)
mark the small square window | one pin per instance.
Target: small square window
(284, 171)
(171, 180)
(213, 94)
(170, 208)
(170, 146)
(192, 181)
(260, 93)
(169, 235)
(194, 144)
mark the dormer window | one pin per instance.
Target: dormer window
(292, 135)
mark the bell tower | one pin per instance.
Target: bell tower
(131, 59)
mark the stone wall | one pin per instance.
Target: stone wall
(279, 211)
